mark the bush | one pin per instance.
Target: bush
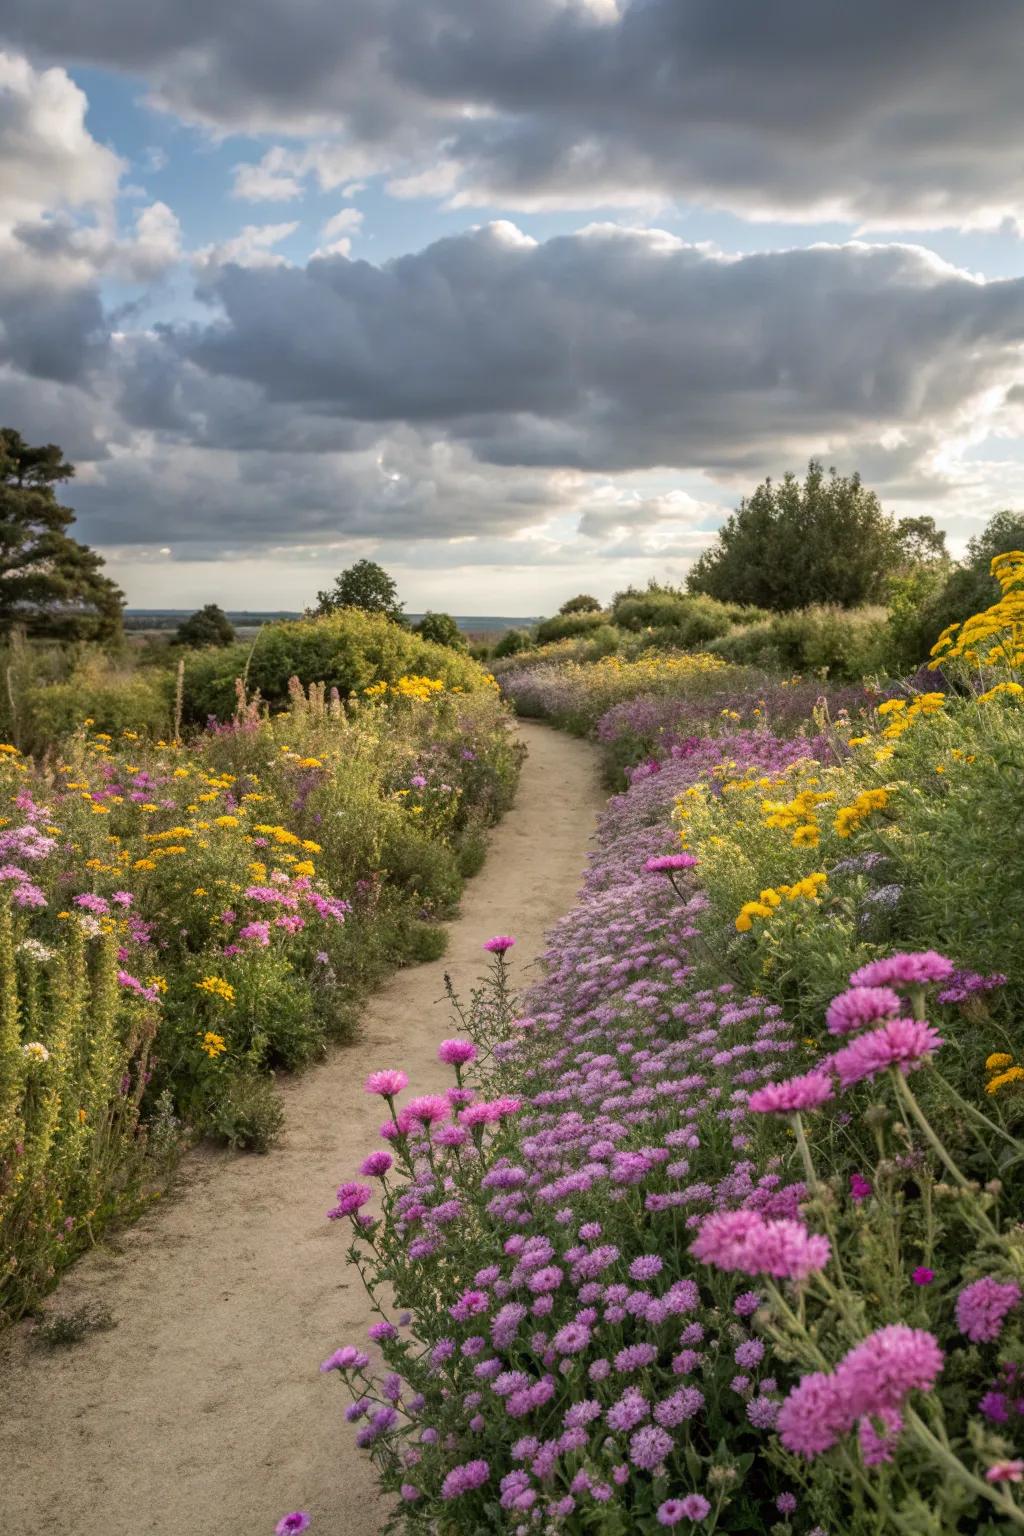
(441, 629)
(829, 642)
(511, 643)
(350, 651)
(568, 625)
(248, 1113)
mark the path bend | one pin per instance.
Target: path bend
(201, 1412)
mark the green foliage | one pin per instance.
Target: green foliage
(512, 643)
(583, 603)
(365, 585)
(60, 1330)
(677, 619)
(50, 585)
(790, 545)
(349, 650)
(248, 1113)
(441, 629)
(209, 625)
(829, 642)
(946, 596)
(565, 627)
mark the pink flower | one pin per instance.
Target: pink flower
(668, 861)
(903, 1043)
(872, 1381)
(861, 1005)
(747, 1242)
(499, 944)
(807, 1092)
(878, 1445)
(291, 1525)
(455, 1053)
(982, 1306)
(386, 1083)
(376, 1165)
(922, 1276)
(813, 1417)
(860, 1188)
(428, 1109)
(915, 970)
(350, 1198)
(882, 1369)
(490, 1112)
(1005, 1472)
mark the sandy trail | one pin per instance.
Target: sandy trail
(201, 1413)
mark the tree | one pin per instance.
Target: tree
(442, 629)
(790, 545)
(209, 625)
(50, 584)
(967, 588)
(920, 542)
(365, 585)
(584, 603)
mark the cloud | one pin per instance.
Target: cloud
(617, 349)
(252, 248)
(899, 116)
(58, 227)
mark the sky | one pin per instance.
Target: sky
(518, 299)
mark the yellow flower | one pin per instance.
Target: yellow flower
(1005, 1079)
(303, 867)
(217, 987)
(213, 1044)
(200, 890)
(806, 836)
(859, 741)
(144, 864)
(225, 821)
(82, 1116)
(997, 1061)
(160, 982)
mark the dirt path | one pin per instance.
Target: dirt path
(201, 1413)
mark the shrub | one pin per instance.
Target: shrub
(511, 643)
(248, 1114)
(349, 650)
(567, 626)
(441, 629)
(826, 641)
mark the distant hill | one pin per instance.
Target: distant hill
(148, 620)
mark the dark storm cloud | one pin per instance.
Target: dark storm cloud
(908, 114)
(616, 349)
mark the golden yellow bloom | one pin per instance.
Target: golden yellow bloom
(160, 982)
(144, 864)
(217, 987)
(997, 1061)
(200, 890)
(303, 867)
(226, 821)
(213, 1045)
(1005, 1080)
(806, 836)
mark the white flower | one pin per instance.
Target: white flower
(90, 926)
(37, 950)
(36, 1051)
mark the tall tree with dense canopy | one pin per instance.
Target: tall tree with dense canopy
(791, 544)
(365, 585)
(209, 625)
(50, 584)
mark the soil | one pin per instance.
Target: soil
(202, 1412)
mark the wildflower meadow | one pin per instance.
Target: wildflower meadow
(717, 1227)
(182, 917)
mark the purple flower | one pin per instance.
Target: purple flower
(667, 861)
(922, 1276)
(464, 1479)
(745, 1241)
(860, 1188)
(649, 1446)
(288, 1525)
(499, 944)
